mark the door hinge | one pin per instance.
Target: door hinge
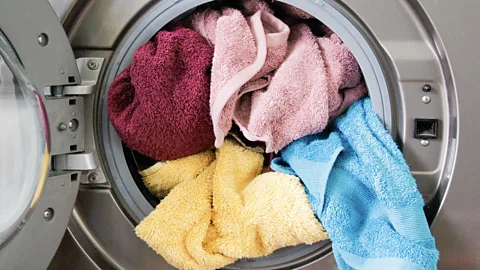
(70, 121)
(89, 69)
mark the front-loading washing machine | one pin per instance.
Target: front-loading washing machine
(70, 194)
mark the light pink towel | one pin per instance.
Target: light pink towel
(251, 7)
(246, 51)
(304, 92)
(273, 99)
(205, 23)
(342, 69)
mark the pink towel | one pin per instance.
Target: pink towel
(160, 104)
(246, 50)
(205, 23)
(251, 7)
(342, 69)
(304, 92)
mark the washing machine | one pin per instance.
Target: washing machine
(70, 194)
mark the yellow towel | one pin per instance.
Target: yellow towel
(164, 176)
(230, 211)
(177, 227)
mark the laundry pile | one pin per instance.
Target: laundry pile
(221, 208)
(216, 97)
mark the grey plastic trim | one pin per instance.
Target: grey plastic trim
(75, 162)
(23, 21)
(47, 62)
(36, 244)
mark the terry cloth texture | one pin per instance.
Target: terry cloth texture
(360, 187)
(250, 7)
(261, 77)
(159, 105)
(318, 80)
(229, 211)
(162, 177)
(246, 49)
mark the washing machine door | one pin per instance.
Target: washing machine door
(36, 200)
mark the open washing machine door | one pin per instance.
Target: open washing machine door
(42, 134)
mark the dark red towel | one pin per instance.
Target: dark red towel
(160, 104)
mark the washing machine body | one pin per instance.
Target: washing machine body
(419, 62)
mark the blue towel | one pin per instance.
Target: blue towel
(370, 205)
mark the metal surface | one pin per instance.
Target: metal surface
(43, 64)
(35, 245)
(62, 7)
(92, 64)
(456, 228)
(48, 214)
(425, 47)
(73, 124)
(61, 111)
(42, 39)
(93, 178)
(89, 76)
(108, 251)
(103, 24)
(77, 90)
(74, 162)
(425, 142)
(62, 127)
(48, 64)
(426, 99)
(80, 122)
(71, 256)
(90, 104)
(426, 88)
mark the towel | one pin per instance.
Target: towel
(306, 91)
(370, 205)
(229, 211)
(204, 21)
(159, 105)
(162, 177)
(180, 224)
(246, 50)
(250, 7)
